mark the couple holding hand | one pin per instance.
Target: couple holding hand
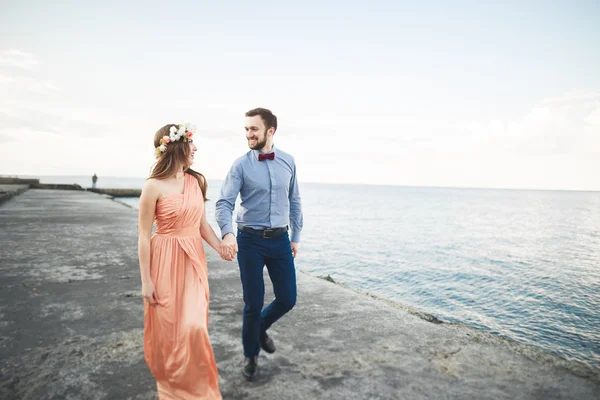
(173, 264)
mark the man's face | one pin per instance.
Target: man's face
(256, 134)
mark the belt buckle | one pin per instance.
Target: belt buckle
(267, 234)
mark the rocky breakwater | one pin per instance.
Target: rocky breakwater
(117, 192)
(35, 184)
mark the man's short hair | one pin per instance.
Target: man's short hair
(267, 116)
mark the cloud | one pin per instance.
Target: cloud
(27, 103)
(566, 124)
(18, 59)
(19, 86)
(41, 121)
(220, 133)
(7, 138)
(19, 80)
(554, 144)
(593, 117)
(573, 97)
(13, 119)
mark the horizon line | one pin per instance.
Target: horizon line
(351, 184)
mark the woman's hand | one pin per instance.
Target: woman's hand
(148, 293)
(227, 251)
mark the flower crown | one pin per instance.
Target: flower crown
(176, 133)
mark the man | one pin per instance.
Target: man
(265, 178)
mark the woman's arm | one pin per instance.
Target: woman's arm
(148, 200)
(208, 234)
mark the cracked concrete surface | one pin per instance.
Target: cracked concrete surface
(71, 326)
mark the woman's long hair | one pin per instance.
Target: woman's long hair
(174, 157)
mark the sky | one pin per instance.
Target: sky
(499, 94)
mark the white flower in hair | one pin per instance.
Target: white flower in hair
(176, 132)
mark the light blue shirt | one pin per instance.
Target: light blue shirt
(269, 194)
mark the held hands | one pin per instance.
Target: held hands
(228, 248)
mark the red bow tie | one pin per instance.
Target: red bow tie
(263, 157)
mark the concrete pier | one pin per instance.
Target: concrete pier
(9, 184)
(9, 191)
(71, 326)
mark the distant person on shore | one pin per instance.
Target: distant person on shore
(265, 178)
(174, 271)
(94, 180)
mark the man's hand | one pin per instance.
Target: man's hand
(226, 251)
(229, 247)
(294, 248)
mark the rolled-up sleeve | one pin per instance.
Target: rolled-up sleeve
(225, 205)
(296, 219)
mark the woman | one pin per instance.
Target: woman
(174, 271)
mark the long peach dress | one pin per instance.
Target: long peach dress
(176, 343)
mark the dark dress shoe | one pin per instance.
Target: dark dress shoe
(250, 369)
(266, 343)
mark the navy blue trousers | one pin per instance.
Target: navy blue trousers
(254, 252)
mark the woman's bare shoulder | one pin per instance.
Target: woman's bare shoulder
(152, 187)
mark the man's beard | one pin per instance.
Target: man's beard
(259, 144)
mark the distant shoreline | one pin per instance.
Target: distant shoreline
(434, 187)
